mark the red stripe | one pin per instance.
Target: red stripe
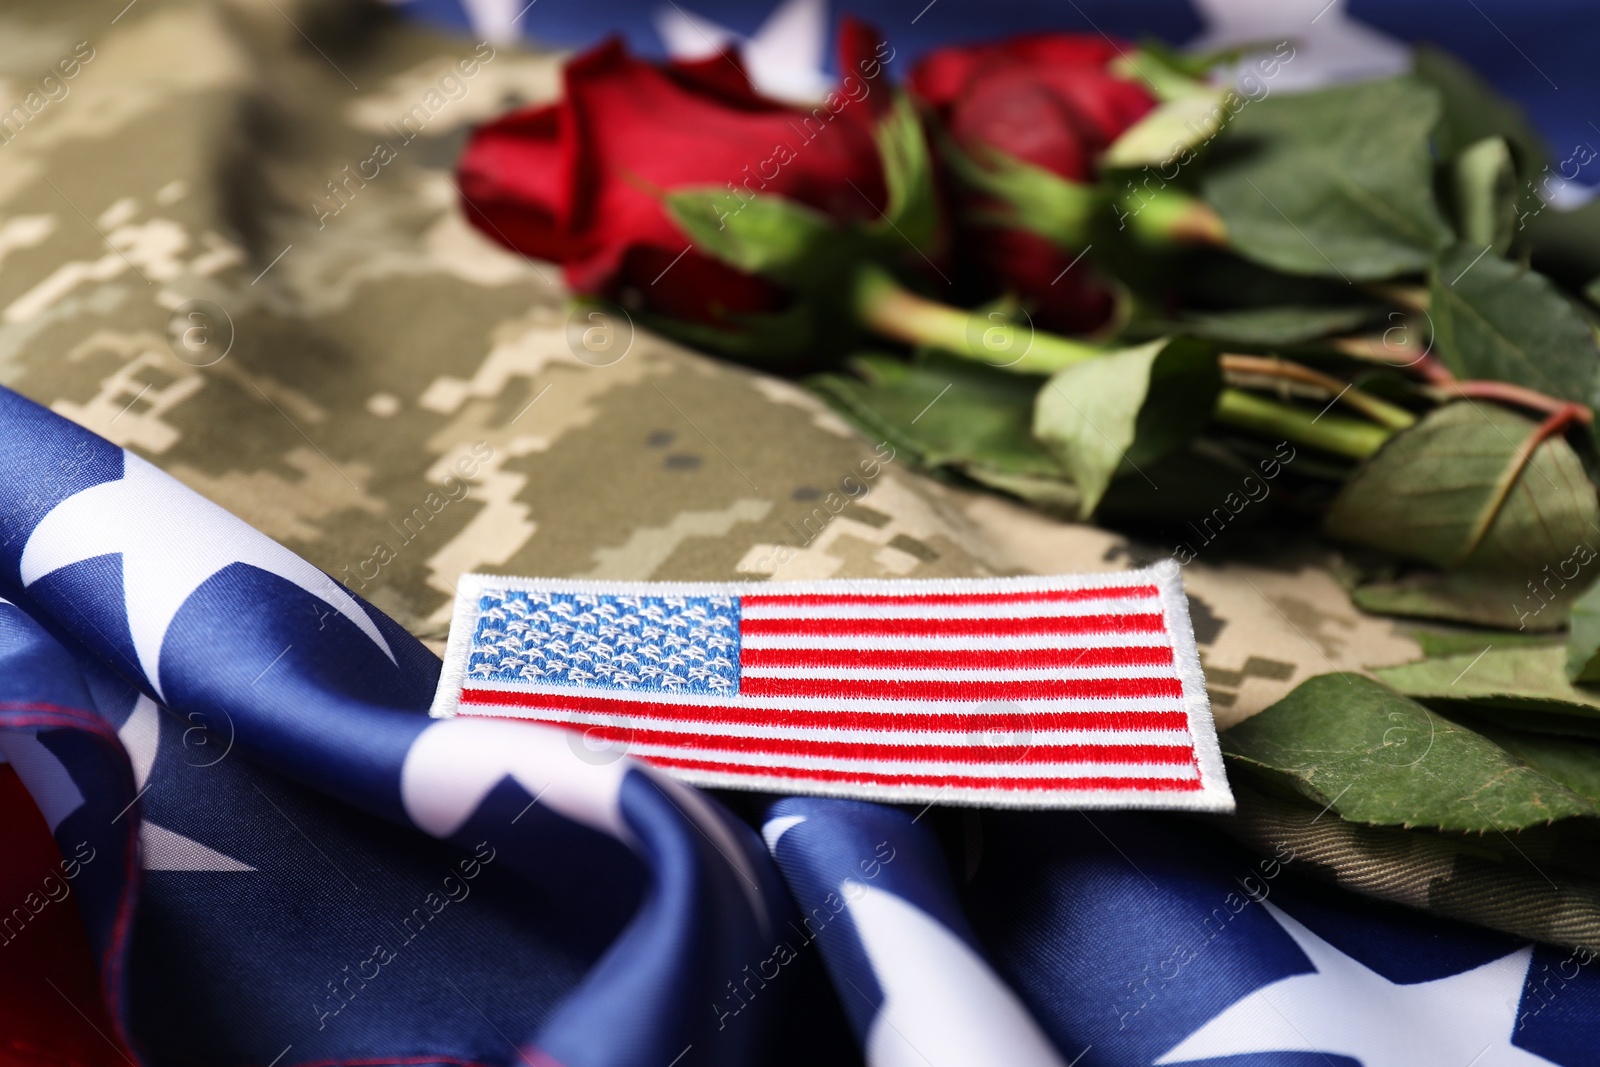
(977, 753)
(954, 780)
(807, 600)
(970, 659)
(838, 720)
(898, 689)
(1044, 624)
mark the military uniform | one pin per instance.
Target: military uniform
(231, 241)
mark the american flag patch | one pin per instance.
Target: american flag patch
(1063, 691)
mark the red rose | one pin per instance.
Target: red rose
(1049, 100)
(580, 181)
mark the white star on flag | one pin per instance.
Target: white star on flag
(1330, 46)
(784, 57)
(171, 540)
(1345, 1008)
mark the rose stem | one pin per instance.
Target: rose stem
(1380, 411)
(887, 307)
(1519, 396)
(894, 311)
(1166, 215)
(1355, 438)
(1447, 385)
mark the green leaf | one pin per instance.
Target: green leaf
(912, 212)
(1575, 764)
(1166, 131)
(1335, 182)
(1124, 409)
(1494, 319)
(1482, 598)
(1271, 326)
(1460, 490)
(1484, 183)
(763, 234)
(1172, 75)
(1583, 644)
(1439, 643)
(1565, 245)
(1031, 197)
(1473, 110)
(1374, 756)
(953, 414)
(1517, 686)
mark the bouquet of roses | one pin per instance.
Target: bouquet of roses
(1122, 283)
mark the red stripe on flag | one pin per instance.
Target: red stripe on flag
(812, 600)
(952, 780)
(1047, 624)
(623, 707)
(1165, 754)
(973, 659)
(897, 689)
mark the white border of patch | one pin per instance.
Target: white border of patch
(1213, 795)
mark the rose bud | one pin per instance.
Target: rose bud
(1052, 104)
(584, 182)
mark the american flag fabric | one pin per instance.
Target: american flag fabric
(1131, 939)
(1065, 691)
(280, 859)
(231, 835)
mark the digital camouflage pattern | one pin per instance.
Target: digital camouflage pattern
(230, 240)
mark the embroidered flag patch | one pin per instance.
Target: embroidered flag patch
(1063, 691)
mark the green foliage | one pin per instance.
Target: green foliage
(1583, 645)
(1484, 186)
(1030, 197)
(954, 415)
(1336, 182)
(1168, 130)
(1505, 682)
(1375, 756)
(1272, 326)
(1459, 489)
(1496, 319)
(1116, 413)
(761, 234)
(1473, 110)
(1497, 599)
(912, 213)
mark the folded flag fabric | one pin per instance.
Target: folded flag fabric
(1128, 938)
(278, 858)
(875, 893)
(270, 925)
(1066, 691)
(1226, 957)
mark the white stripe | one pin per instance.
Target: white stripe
(948, 674)
(959, 642)
(756, 760)
(832, 704)
(976, 739)
(1147, 605)
(1004, 796)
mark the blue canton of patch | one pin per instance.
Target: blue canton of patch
(669, 644)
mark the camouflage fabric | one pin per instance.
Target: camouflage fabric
(1521, 888)
(230, 240)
